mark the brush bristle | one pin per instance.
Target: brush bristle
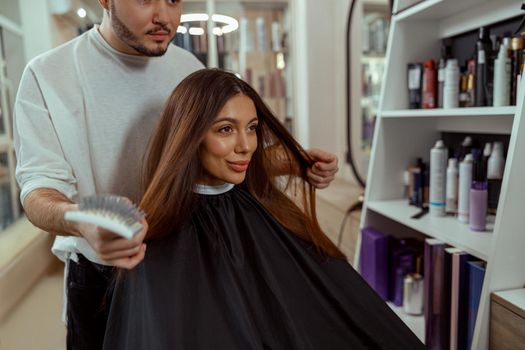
(114, 207)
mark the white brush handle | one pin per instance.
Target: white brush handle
(105, 223)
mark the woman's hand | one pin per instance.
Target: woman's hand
(322, 172)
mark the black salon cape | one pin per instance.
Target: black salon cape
(234, 278)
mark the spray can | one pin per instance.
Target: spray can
(438, 158)
(465, 182)
(451, 88)
(452, 186)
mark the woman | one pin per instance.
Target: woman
(232, 262)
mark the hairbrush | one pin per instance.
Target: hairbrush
(113, 213)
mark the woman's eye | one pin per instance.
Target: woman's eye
(173, 1)
(253, 127)
(226, 129)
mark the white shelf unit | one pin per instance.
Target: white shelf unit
(402, 135)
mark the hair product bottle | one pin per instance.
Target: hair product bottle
(483, 54)
(452, 186)
(415, 74)
(465, 182)
(516, 57)
(471, 81)
(478, 196)
(438, 158)
(463, 89)
(451, 89)
(429, 85)
(502, 77)
(445, 54)
(496, 165)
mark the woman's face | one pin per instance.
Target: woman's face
(229, 144)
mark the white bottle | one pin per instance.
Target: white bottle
(451, 88)
(502, 78)
(496, 162)
(465, 182)
(438, 157)
(452, 186)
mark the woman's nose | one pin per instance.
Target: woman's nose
(243, 144)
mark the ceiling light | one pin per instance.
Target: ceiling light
(81, 12)
(229, 23)
(196, 31)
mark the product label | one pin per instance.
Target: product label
(414, 78)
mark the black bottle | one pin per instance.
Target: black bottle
(483, 76)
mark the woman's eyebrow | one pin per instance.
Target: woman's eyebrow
(233, 120)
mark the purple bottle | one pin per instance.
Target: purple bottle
(478, 196)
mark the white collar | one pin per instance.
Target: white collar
(207, 189)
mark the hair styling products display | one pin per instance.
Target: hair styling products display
(438, 158)
(465, 182)
(490, 77)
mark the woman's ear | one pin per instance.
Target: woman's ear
(104, 4)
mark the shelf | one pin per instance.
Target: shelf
(437, 9)
(415, 323)
(451, 112)
(460, 16)
(447, 229)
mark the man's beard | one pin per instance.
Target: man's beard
(124, 34)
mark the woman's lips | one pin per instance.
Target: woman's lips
(239, 166)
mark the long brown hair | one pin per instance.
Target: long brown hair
(172, 165)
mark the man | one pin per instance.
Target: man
(83, 116)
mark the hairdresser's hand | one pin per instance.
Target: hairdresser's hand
(115, 249)
(322, 172)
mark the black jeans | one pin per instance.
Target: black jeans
(88, 298)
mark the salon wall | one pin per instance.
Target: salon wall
(42, 30)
